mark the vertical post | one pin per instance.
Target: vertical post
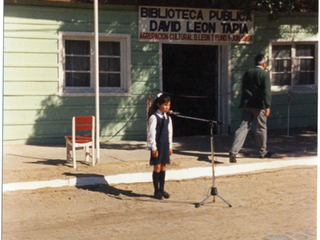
(1, 100)
(97, 85)
(149, 102)
(212, 157)
(288, 119)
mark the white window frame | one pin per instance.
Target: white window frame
(125, 65)
(296, 88)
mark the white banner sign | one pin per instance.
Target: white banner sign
(171, 24)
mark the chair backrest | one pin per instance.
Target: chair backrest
(82, 123)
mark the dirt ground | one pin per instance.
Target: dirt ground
(272, 205)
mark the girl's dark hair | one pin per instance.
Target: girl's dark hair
(161, 100)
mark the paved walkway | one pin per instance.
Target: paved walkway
(31, 167)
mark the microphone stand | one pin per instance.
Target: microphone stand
(214, 191)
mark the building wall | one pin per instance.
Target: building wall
(303, 109)
(34, 113)
(33, 110)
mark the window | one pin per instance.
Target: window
(77, 69)
(293, 64)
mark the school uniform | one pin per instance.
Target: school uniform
(160, 137)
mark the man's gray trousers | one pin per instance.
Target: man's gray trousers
(247, 115)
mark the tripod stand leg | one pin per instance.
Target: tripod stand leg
(214, 192)
(199, 204)
(224, 200)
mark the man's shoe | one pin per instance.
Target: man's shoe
(165, 194)
(232, 159)
(267, 155)
(158, 196)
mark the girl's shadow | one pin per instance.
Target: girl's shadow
(99, 184)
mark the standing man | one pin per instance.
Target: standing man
(255, 104)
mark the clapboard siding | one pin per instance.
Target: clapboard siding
(30, 88)
(144, 73)
(30, 73)
(38, 102)
(303, 111)
(57, 130)
(19, 45)
(30, 59)
(33, 111)
(145, 59)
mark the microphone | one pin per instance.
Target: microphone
(173, 113)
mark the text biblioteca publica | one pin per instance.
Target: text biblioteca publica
(160, 23)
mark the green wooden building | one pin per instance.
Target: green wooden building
(49, 68)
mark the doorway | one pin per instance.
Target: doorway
(190, 75)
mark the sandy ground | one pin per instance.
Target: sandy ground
(273, 205)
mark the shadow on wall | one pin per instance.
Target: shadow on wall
(54, 118)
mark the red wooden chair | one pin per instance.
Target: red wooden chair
(77, 141)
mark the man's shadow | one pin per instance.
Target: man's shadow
(97, 183)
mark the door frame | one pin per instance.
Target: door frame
(224, 84)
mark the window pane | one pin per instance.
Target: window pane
(281, 68)
(74, 79)
(109, 61)
(282, 65)
(281, 51)
(304, 78)
(281, 79)
(110, 80)
(109, 64)
(306, 64)
(78, 63)
(305, 50)
(109, 48)
(77, 47)
(305, 71)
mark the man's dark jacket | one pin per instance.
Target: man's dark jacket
(256, 90)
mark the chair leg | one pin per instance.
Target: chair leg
(74, 156)
(87, 153)
(67, 150)
(93, 155)
(68, 147)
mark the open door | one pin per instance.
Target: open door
(190, 74)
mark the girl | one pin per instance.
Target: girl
(160, 141)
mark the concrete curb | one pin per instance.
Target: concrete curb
(188, 173)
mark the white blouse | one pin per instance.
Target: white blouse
(152, 124)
